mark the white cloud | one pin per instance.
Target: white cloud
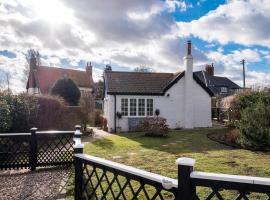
(181, 5)
(129, 34)
(240, 21)
(229, 65)
(126, 33)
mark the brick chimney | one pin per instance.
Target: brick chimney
(210, 69)
(88, 68)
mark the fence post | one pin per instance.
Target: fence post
(78, 148)
(78, 178)
(33, 149)
(185, 167)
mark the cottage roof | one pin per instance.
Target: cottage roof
(143, 83)
(44, 77)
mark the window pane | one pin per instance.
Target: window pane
(132, 107)
(124, 107)
(141, 107)
(149, 107)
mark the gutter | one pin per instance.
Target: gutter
(114, 113)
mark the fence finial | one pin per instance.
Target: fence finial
(186, 161)
(78, 146)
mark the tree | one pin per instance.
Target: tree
(99, 90)
(66, 88)
(32, 58)
(5, 77)
(143, 69)
(87, 103)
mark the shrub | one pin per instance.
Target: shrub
(98, 119)
(255, 126)
(154, 126)
(21, 112)
(5, 119)
(51, 112)
(67, 89)
(104, 124)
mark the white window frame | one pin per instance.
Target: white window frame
(137, 107)
(144, 105)
(127, 106)
(147, 107)
(224, 90)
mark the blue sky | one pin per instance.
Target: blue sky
(128, 34)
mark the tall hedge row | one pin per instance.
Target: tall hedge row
(19, 113)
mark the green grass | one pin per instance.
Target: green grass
(158, 154)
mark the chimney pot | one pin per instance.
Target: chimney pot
(188, 47)
(210, 69)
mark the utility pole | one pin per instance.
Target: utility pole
(243, 62)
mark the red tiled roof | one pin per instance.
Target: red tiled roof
(45, 77)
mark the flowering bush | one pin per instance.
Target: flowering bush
(154, 126)
(104, 124)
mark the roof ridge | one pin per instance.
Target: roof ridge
(62, 68)
(139, 72)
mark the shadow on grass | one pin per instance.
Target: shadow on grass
(184, 141)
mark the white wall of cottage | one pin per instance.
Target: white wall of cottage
(171, 106)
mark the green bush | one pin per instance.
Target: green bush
(18, 112)
(67, 89)
(5, 119)
(255, 125)
(24, 112)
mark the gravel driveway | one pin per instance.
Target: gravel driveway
(42, 184)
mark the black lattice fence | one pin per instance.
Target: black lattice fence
(100, 179)
(14, 150)
(30, 150)
(216, 186)
(54, 148)
(96, 178)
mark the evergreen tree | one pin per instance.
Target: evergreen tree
(66, 88)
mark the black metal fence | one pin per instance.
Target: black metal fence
(96, 178)
(37, 148)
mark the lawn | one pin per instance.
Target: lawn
(158, 154)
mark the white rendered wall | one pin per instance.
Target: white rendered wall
(202, 107)
(171, 107)
(109, 111)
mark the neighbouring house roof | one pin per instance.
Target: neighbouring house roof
(44, 77)
(215, 82)
(143, 83)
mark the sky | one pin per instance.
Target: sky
(127, 34)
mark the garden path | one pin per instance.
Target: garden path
(41, 184)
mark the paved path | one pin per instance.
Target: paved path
(98, 134)
(41, 184)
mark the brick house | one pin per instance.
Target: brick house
(41, 79)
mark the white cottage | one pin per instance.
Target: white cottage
(182, 98)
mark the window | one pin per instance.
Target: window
(141, 108)
(124, 107)
(149, 107)
(132, 107)
(223, 89)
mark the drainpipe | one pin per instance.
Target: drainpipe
(114, 113)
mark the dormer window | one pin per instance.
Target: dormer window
(223, 89)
